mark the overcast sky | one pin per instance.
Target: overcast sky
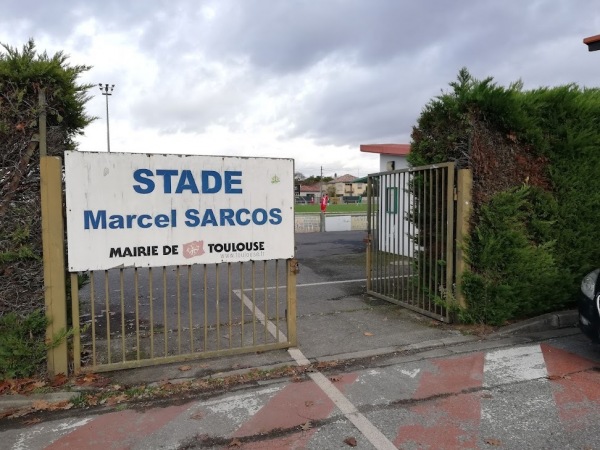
(303, 79)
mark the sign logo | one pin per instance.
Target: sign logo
(193, 249)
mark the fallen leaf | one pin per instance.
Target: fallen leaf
(32, 421)
(40, 405)
(27, 385)
(335, 378)
(92, 400)
(197, 416)
(185, 368)
(306, 426)
(309, 403)
(91, 379)
(235, 443)
(19, 413)
(7, 413)
(368, 333)
(326, 364)
(39, 384)
(60, 405)
(5, 386)
(494, 442)
(111, 401)
(351, 442)
(59, 380)
(554, 377)
(296, 379)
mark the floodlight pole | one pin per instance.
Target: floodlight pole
(106, 90)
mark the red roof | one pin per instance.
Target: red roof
(386, 149)
(312, 188)
(344, 179)
(591, 39)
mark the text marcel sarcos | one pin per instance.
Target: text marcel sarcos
(170, 181)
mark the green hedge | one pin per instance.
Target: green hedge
(535, 157)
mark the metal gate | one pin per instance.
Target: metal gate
(133, 317)
(146, 316)
(411, 250)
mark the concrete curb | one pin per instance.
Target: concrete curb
(23, 401)
(542, 325)
(550, 321)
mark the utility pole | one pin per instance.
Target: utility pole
(322, 221)
(321, 182)
(106, 91)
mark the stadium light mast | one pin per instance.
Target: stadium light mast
(106, 90)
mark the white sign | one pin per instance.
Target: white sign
(133, 210)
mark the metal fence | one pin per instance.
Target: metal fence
(411, 243)
(146, 316)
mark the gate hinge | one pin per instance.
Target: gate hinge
(294, 267)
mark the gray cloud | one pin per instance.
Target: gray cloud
(370, 65)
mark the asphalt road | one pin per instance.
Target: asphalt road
(168, 302)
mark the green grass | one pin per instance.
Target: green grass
(350, 208)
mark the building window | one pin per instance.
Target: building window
(391, 200)
(391, 165)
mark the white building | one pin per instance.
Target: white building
(393, 230)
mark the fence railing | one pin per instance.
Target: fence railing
(145, 316)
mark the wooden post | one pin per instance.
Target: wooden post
(75, 322)
(463, 215)
(53, 239)
(292, 271)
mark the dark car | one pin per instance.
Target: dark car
(589, 306)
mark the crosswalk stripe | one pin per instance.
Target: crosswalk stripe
(512, 365)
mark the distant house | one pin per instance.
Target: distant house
(310, 192)
(345, 187)
(391, 156)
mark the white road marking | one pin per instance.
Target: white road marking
(369, 431)
(410, 373)
(511, 365)
(247, 403)
(261, 317)
(28, 439)
(69, 426)
(323, 283)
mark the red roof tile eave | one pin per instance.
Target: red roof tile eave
(386, 149)
(592, 39)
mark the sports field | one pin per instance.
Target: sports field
(349, 208)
